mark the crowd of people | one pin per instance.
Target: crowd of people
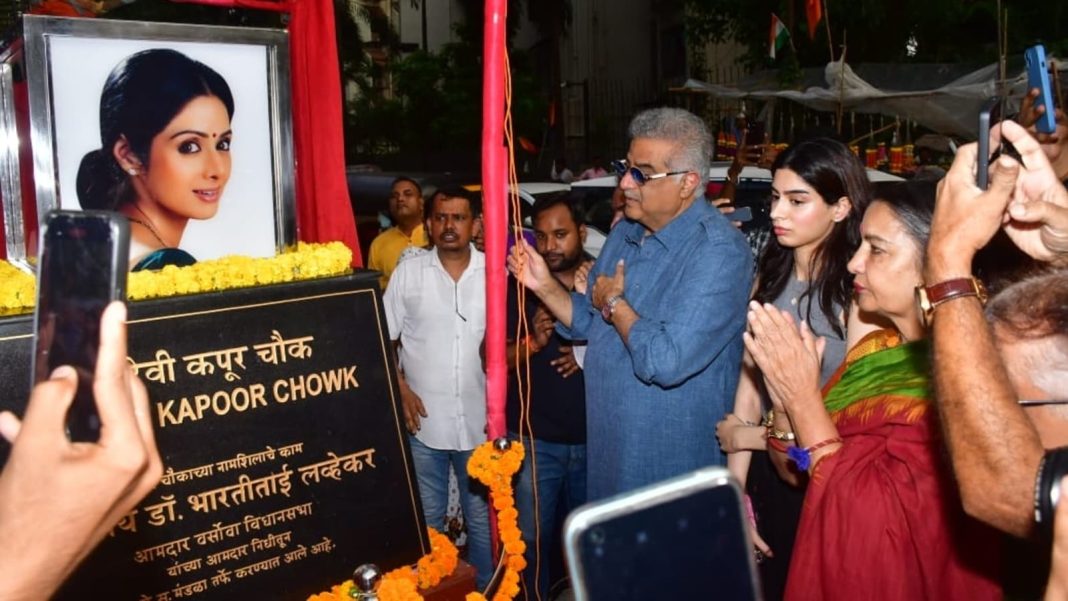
(894, 427)
(847, 379)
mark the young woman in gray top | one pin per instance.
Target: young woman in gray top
(819, 193)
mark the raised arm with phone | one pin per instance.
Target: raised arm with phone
(994, 448)
(59, 498)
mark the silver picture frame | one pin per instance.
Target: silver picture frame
(47, 40)
(15, 232)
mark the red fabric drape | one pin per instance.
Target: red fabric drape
(323, 207)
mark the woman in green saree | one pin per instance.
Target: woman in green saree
(881, 517)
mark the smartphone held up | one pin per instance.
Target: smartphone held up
(81, 268)
(669, 540)
(1038, 78)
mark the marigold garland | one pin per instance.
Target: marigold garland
(17, 290)
(307, 261)
(403, 583)
(495, 469)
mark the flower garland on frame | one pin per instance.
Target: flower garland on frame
(494, 463)
(18, 290)
(305, 262)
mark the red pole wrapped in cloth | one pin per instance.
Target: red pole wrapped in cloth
(494, 211)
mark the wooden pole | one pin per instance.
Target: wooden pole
(841, 84)
(827, 23)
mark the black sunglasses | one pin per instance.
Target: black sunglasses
(621, 168)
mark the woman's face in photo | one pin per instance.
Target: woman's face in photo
(189, 161)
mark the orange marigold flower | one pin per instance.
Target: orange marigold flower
(516, 562)
(404, 573)
(510, 534)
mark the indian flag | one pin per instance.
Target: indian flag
(777, 36)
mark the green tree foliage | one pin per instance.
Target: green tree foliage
(433, 121)
(884, 30)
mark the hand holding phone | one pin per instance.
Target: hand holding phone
(1038, 77)
(81, 268)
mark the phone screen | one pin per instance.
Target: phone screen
(82, 268)
(755, 134)
(681, 548)
(741, 214)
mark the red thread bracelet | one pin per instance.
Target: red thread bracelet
(777, 444)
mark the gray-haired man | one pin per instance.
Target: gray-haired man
(663, 315)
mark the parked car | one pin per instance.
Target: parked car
(369, 190)
(531, 191)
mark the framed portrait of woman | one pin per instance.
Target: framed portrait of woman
(185, 129)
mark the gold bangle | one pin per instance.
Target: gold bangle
(781, 434)
(769, 424)
(768, 419)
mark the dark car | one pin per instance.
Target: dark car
(369, 190)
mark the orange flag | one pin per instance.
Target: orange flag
(813, 14)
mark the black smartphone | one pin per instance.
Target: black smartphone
(755, 134)
(741, 214)
(81, 268)
(671, 540)
(989, 114)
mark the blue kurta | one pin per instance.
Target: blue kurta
(652, 405)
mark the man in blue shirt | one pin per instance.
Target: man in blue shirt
(664, 314)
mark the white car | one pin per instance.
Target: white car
(754, 188)
(531, 191)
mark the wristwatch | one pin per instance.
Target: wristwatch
(929, 297)
(609, 306)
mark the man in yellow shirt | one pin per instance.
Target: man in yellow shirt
(406, 209)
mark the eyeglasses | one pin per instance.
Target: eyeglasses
(622, 169)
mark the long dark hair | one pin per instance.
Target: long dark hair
(833, 171)
(140, 97)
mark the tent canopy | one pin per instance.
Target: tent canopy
(948, 107)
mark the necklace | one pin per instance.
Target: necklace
(148, 226)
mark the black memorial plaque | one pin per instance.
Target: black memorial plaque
(286, 463)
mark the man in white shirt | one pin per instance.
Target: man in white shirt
(436, 309)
